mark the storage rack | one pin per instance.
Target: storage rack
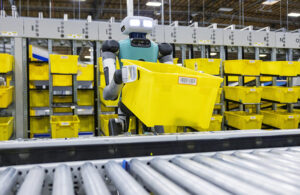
(7, 45)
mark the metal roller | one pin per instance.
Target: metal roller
(154, 181)
(7, 180)
(185, 179)
(92, 181)
(269, 172)
(63, 183)
(227, 182)
(33, 182)
(123, 181)
(248, 176)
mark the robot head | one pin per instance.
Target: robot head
(137, 24)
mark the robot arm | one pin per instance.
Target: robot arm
(165, 53)
(113, 77)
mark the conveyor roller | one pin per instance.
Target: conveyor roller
(259, 171)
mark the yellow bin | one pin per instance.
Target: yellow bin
(85, 97)
(281, 119)
(242, 120)
(280, 94)
(38, 72)
(243, 67)
(64, 126)
(171, 95)
(6, 128)
(207, 65)
(243, 94)
(39, 125)
(6, 96)
(87, 124)
(39, 98)
(85, 72)
(6, 62)
(64, 64)
(215, 124)
(281, 68)
(104, 120)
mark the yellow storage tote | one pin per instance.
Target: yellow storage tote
(6, 96)
(62, 80)
(281, 68)
(64, 126)
(38, 72)
(62, 99)
(281, 119)
(243, 94)
(87, 124)
(171, 95)
(280, 94)
(39, 125)
(64, 64)
(39, 98)
(6, 128)
(104, 120)
(215, 124)
(242, 120)
(6, 62)
(85, 72)
(85, 97)
(243, 67)
(207, 65)
(62, 110)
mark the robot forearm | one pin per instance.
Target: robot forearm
(112, 91)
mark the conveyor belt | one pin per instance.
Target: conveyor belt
(258, 171)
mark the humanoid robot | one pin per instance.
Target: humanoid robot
(136, 47)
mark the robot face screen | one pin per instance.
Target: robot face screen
(137, 24)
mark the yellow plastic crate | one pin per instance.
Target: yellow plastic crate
(243, 67)
(243, 120)
(215, 124)
(164, 92)
(218, 100)
(64, 64)
(85, 97)
(243, 94)
(6, 128)
(104, 120)
(87, 124)
(62, 80)
(281, 119)
(38, 72)
(207, 65)
(6, 96)
(39, 98)
(64, 126)
(62, 110)
(108, 103)
(280, 94)
(85, 72)
(248, 79)
(281, 68)
(6, 62)
(62, 99)
(39, 125)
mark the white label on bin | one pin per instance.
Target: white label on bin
(290, 62)
(64, 57)
(187, 81)
(252, 89)
(65, 123)
(290, 116)
(213, 118)
(210, 60)
(290, 89)
(251, 61)
(252, 117)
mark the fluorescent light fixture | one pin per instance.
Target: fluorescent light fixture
(270, 2)
(147, 23)
(134, 22)
(262, 55)
(153, 3)
(213, 54)
(225, 9)
(294, 14)
(87, 57)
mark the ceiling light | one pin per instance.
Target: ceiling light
(293, 14)
(225, 9)
(153, 3)
(270, 2)
(213, 54)
(262, 55)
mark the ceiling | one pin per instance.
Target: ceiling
(204, 12)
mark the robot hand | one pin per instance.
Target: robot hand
(165, 53)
